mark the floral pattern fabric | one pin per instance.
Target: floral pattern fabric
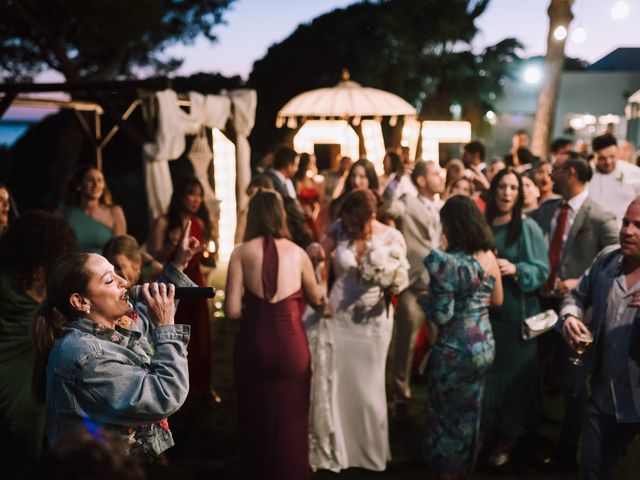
(463, 352)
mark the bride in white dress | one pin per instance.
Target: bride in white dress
(348, 423)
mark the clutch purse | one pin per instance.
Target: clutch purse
(536, 325)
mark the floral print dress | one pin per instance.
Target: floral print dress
(463, 352)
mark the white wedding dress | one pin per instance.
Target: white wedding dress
(348, 415)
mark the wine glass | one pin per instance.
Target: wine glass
(585, 340)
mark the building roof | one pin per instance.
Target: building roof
(621, 59)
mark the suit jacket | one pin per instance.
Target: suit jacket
(593, 290)
(420, 226)
(592, 230)
(278, 184)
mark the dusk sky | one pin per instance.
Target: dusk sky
(253, 25)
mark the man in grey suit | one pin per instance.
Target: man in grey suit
(418, 218)
(612, 288)
(588, 228)
(577, 229)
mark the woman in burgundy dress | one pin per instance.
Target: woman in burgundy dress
(187, 204)
(268, 280)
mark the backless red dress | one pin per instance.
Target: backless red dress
(273, 374)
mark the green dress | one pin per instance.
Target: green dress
(512, 403)
(21, 421)
(91, 235)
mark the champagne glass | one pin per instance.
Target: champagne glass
(585, 340)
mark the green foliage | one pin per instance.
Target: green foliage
(418, 49)
(99, 39)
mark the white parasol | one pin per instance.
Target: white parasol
(346, 99)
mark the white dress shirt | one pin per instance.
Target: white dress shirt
(615, 190)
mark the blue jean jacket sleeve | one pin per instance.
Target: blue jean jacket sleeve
(111, 388)
(170, 274)
(581, 297)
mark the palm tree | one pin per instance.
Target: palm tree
(559, 15)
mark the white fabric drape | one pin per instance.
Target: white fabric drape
(169, 144)
(244, 114)
(212, 111)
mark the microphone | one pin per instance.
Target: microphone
(135, 293)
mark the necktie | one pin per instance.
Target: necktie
(556, 246)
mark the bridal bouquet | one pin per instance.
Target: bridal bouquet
(385, 266)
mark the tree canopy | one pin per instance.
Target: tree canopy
(418, 49)
(97, 39)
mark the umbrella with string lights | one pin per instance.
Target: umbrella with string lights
(348, 100)
(327, 114)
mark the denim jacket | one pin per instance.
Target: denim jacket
(118, 379)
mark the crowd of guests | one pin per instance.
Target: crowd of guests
(479, 249)
(489, 245)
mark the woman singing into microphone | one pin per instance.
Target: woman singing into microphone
(94, 367)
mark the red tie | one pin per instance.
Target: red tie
(556, 246)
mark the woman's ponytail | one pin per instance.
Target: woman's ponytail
(47, 328)
(67, 276)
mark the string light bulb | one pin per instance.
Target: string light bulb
(620, 10)
(560, 32)
(532, 75)
(579, 35)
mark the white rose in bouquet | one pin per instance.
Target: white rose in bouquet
(377, 258)
(387, 276)
(385, 266)
(396, 252)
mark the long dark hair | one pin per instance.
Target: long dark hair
(13, 207)
(303, 165)
(65, 276)
(357, 210)
(370, 172)
(174, 214)
(464, 226)
(266, 216)
(492, 212)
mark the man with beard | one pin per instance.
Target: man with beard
(611, 288)
(577, 229)
(615, 182)
(418, 218)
